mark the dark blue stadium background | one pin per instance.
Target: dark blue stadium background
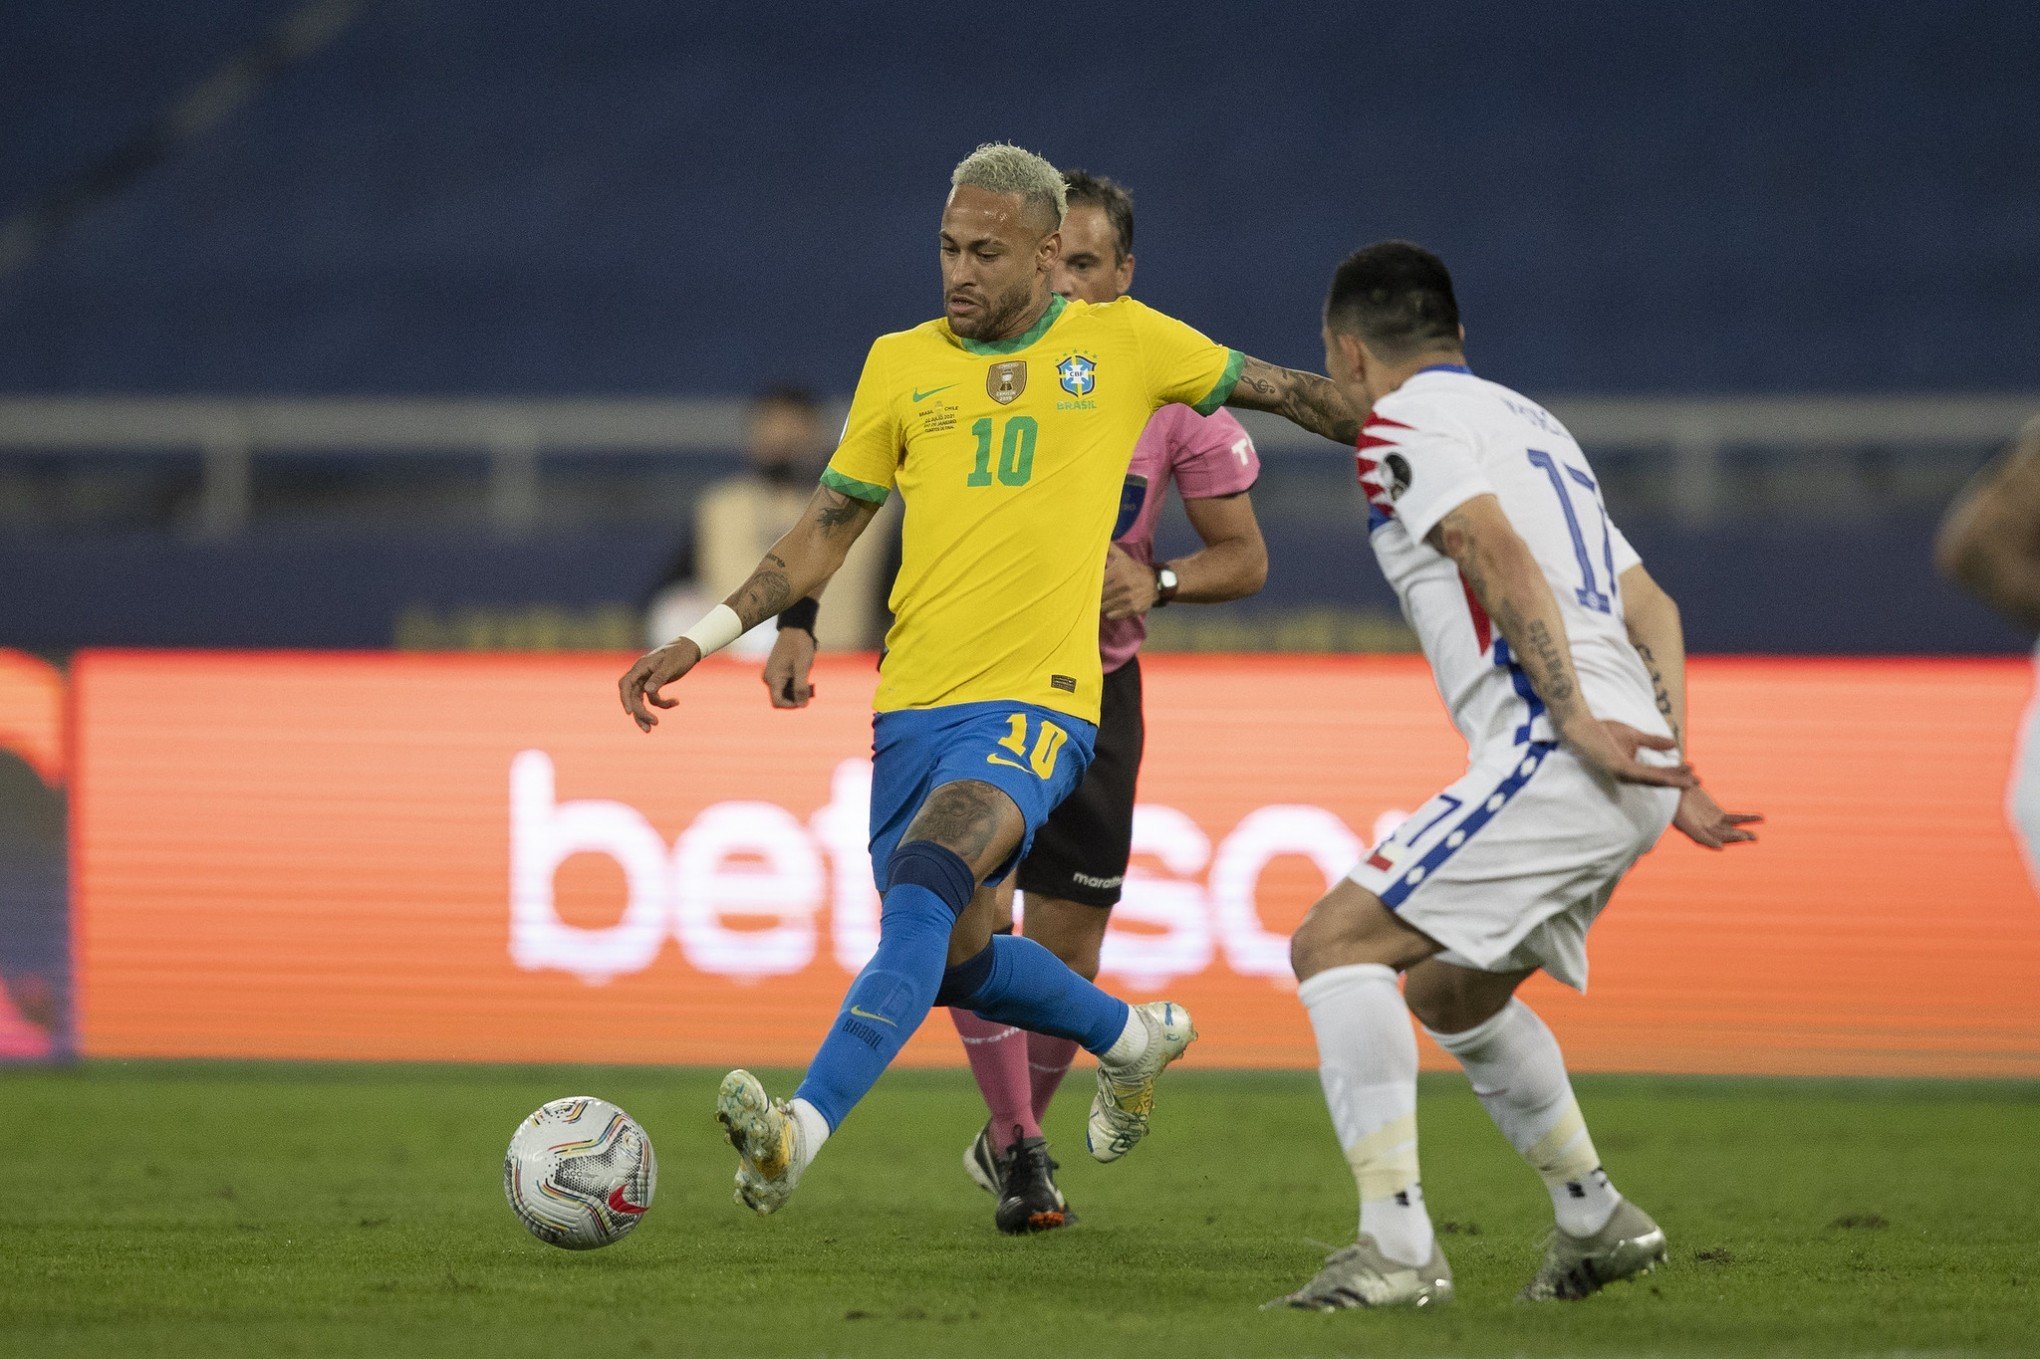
(641, 198)
(652, 198)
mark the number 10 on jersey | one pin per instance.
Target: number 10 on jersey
(1016, 452)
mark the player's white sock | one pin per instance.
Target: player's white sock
(1519, 1074)
(1132, 1043)
(1367, 1059)
(814, 1129)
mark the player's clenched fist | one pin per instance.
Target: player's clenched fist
(654, 671)
(787, 669)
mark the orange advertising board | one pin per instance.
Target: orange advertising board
(479, 858)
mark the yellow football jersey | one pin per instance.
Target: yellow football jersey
(1010, 459)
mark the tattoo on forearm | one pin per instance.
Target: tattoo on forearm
(1545, 660)
(1659, 691)
(1556, 687)
(764, 595)
(1305, 399)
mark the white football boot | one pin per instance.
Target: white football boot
(767, 1139)
(1628, 1246)
(1126, 1095)
(1359, 1275)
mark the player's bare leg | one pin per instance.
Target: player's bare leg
(1519, 1075)
(1346, 955)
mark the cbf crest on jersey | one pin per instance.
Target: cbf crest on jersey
(1079, 375)
(1005, 381)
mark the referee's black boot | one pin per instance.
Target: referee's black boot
(1030, 1200)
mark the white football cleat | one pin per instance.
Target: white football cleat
(1628, 1246)
(1359, 1275)
(767, 1139)
(1126, 1095)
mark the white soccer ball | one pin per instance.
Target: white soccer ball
(580, 1173)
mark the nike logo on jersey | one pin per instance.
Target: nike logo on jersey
(923, 396)
(1010, 764)
(863, 1013)
(619, 1204)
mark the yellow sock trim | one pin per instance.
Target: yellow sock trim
(1566, 1152)
(1385, 1161)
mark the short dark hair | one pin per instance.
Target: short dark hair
(1397, 297)
(1109, 194)
(790, 395)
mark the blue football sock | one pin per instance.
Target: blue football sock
(930, 886)
(1016, 981)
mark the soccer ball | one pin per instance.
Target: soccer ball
(580, 1173)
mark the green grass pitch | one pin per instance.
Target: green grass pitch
(171, 1209)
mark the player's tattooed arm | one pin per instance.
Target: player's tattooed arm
(1660, 691)
(1660, 640)
(804, 558)
(1509, 584)
(798, 564)
(1305, 399)
(1659, 637)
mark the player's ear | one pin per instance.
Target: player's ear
(1353, 352)
(1126, 280)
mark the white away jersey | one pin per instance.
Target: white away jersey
(1433, 444)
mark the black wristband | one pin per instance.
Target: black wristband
(801, 615)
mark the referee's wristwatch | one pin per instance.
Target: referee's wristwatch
(1166, 585)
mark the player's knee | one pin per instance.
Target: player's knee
(1437, 1007)
(1319, 942)
(935, 867)
(1447, 999)
(1350, 925)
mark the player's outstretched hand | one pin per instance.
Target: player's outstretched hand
(1130, 588)
(787, 668)
(1611, 747)
(654, 671)
(1701, 820)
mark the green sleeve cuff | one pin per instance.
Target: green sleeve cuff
(858, 490)
(1227, 380)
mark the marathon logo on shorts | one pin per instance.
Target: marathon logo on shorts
(1092, 880)
(1062, 682)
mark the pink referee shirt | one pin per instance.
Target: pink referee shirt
(1208, 456)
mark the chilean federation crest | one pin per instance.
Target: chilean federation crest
(1079, 375)
(1005, 381)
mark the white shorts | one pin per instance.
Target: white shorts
(1509, 866)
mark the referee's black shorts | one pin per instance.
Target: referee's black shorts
(1080, 853)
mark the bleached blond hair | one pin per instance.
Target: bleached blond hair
(1001, 167)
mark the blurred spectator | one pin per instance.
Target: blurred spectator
(787, 443)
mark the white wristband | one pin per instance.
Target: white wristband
(717, 629)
